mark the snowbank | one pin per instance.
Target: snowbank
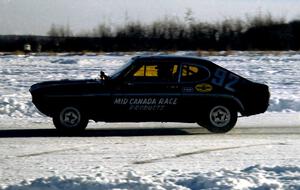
(254, 177)
(284, 105)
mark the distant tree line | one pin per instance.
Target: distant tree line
(262, 32)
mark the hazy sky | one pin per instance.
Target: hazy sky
(36, 16)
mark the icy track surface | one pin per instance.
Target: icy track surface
(261, 152)
(170, 156)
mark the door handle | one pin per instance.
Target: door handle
(174, 86)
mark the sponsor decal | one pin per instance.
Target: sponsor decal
(146, 104)
(147, 107)
(203, 87)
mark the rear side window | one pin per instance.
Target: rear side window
(194, 73)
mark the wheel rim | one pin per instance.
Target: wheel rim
(70, 117)
(220, 116)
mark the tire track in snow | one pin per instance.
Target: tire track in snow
(46, 152)
(201, 152)
(52, 151)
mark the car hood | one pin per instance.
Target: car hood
(62, 83)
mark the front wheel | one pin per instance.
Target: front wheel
(220, 119)
(70, 119)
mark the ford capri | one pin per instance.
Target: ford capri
(154, 89)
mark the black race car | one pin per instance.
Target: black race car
(153, 88)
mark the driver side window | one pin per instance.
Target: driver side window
(160, 72)
(146, 71)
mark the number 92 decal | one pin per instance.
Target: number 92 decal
(225, 79)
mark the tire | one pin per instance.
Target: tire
(70, 119)
(220, 119)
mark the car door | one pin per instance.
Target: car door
(149, 92)
(195, 88)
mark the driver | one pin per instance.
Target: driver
(103, 76)
(164, 72)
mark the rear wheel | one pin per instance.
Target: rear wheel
(70, 119)
(220, 119)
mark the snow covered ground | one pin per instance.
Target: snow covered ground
(158, 156)
(262, 152)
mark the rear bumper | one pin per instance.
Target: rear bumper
(257, 101)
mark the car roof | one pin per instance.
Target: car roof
(193, 59)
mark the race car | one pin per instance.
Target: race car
(154, 89)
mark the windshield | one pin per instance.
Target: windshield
(119, 70)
